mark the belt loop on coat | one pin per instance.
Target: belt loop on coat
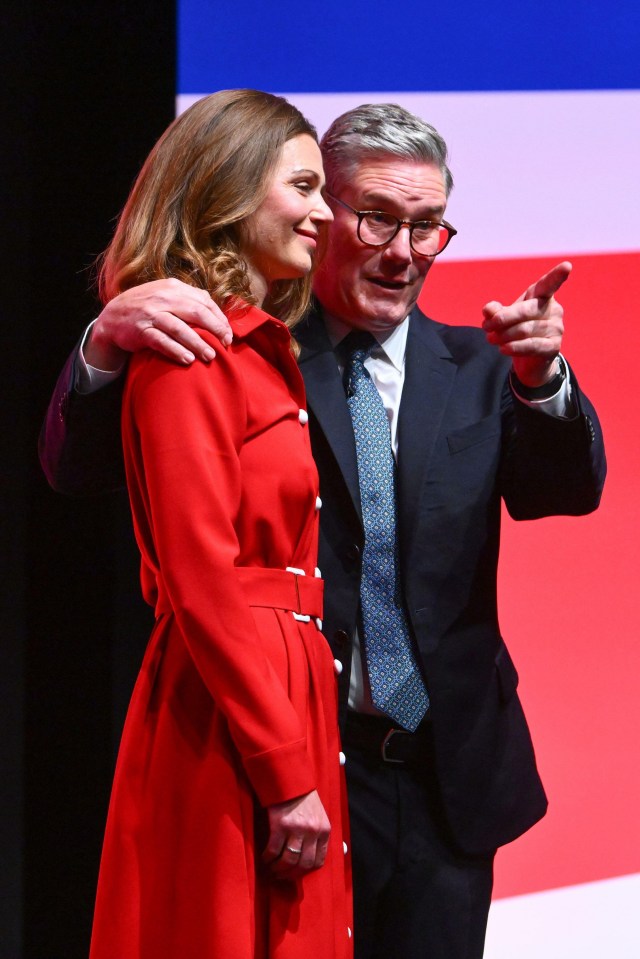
(298, 614)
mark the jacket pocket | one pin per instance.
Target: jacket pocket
(475, 433)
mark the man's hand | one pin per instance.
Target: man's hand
(530, 330)
(157, 316)
(298, 836)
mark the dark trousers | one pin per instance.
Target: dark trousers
(415, 896)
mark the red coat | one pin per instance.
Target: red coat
(235, 705)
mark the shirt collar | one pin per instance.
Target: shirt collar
(391, 346)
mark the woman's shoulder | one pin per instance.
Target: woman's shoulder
(149, 366)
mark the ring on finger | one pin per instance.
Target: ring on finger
(294, 852)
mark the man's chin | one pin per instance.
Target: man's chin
(383, 320)
(384, 314)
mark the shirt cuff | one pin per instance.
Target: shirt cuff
(88, 379)
(560, 404)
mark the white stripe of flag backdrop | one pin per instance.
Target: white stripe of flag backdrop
(539, 103)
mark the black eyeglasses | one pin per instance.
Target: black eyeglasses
(376, 228)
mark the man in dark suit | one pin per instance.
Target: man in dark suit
(473, 418)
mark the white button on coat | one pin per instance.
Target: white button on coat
(345, 848)
(337, 665)
(303, 416)
(318, 503)
(342, 758)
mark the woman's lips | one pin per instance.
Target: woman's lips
(312, 237)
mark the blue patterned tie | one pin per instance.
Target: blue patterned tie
(397, 687)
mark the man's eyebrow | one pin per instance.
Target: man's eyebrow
(380, 201)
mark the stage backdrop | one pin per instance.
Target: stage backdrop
(540, 105)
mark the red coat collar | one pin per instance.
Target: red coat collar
(245, 319)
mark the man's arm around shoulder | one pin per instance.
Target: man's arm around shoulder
(80, 447)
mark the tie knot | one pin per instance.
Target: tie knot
(357, 345)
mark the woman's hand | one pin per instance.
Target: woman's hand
(298, 836)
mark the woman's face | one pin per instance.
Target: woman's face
(281, 237)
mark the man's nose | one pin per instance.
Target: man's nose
(399, 249)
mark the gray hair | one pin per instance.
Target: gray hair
(378, 130)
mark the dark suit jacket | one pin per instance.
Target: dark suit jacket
(465, 443)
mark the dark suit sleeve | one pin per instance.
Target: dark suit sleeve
(80, 446)
(553, 466)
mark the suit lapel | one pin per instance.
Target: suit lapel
(326, 398)
(429, 374)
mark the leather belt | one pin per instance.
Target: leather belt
(378, 739)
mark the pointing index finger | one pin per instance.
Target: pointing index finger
(550, 283)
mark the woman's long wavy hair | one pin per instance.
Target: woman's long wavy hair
(209, 171)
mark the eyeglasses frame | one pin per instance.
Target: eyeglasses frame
(410, 223)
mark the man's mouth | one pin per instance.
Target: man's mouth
(388, 284)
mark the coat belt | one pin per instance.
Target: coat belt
(273, 588)
(282, 589)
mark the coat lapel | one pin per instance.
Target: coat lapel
(326, 398)
(429, 374)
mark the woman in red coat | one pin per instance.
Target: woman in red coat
(225, 834)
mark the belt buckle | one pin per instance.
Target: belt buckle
(386, 741)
